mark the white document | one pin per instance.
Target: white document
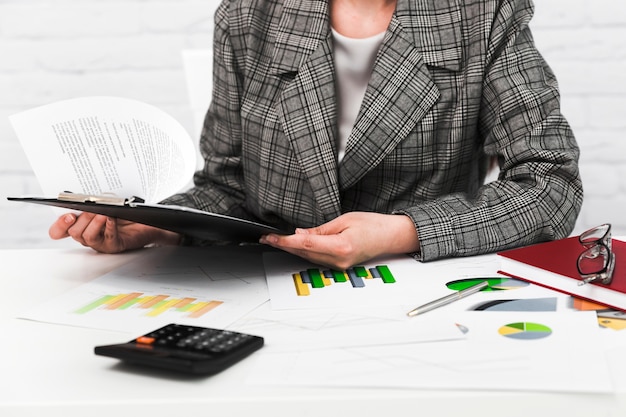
(97, 145)
(211, 287)
(502, 351)
(519, 336)
(300, 329)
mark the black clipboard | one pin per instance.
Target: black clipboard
(185, 220)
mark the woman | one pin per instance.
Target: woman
(370, 125)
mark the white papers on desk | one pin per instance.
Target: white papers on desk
(288, 330)
(567, 360)
(210, 287)
(485, 359)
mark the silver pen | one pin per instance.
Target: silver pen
(448, 299)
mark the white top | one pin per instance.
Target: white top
(354, 61)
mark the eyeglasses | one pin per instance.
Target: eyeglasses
(597, 261)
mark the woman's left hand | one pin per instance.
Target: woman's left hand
(350, 239)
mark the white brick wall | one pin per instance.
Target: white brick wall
(585, 43)
(56, 49)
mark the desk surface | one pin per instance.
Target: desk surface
(51, 369)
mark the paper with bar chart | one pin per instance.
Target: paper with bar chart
(184, 285)
(399, 281)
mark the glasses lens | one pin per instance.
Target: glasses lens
(593, 260)
(597, 234)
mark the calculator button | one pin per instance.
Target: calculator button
(145, 340)
(197, 339)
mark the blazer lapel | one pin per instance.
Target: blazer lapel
(401, 90)
(399, 95)
(307, 106)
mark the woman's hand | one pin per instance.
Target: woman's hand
(107, 234)
(350, 239)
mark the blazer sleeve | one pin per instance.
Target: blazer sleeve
(219, 186)
(538, 194)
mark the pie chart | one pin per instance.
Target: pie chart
(495, 283)
(525, 331)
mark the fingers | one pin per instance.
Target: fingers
(110, 229)
(333, 227)
(96, 231)
(323, 239)
(308, 242)
(329, 250)
(93, 231)
(350, 239)
(87, 229)
(59, 228)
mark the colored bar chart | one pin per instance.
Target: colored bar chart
(313, 278)
(153, 305)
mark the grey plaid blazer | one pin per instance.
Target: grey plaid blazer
(456, 83)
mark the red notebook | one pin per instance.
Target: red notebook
(553, 265)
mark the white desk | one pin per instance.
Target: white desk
(50, 370)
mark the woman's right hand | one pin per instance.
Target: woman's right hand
(109, 235)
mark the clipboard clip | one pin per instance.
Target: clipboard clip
(107, 198)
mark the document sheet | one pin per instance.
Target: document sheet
(167, 285)
(96, 145)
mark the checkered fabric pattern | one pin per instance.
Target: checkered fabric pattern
(456, 84)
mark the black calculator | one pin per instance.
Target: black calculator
(188, 349)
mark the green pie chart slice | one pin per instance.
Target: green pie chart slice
(495, 283)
